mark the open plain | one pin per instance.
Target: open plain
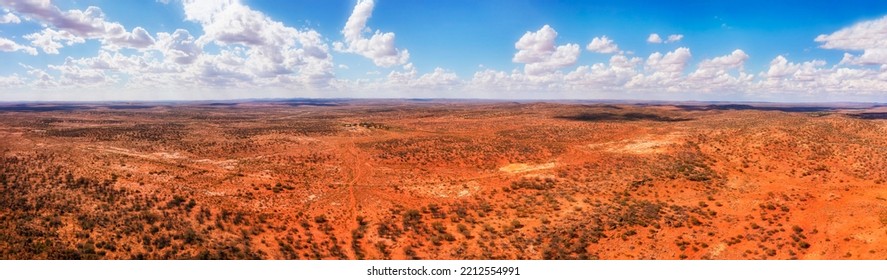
(438, 179)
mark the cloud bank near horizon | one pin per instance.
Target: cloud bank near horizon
(242, 52)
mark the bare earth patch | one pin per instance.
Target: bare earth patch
(648, 144)
(523, 167)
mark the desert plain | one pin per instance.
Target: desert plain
(442, 179)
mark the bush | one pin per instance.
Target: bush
(412, 219)
(320, 219)
(803, 245)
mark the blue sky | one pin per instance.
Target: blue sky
(753, 50)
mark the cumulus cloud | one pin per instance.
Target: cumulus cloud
(10, 18)
(79, 22)
(50, 40)
(379, 47)
(438, 80)
(7, 45)
(671, 62)
(268, 49)
(12, 81)
(718, 66)
(42, 79)
(117, 62)
(867, 36)
(405, 82)
(73, 75)
(604, 77)
(623, 74)
(864, 35)
(781, 68)
(116, 37)
(242, 49)
(179, 47)
(714, 74)
(808, 77)
(515, 84)
(674, 38)
(251, 51)
(602, 45)
(75, 25)
(662, 71)
(654, 39)
(537, 50)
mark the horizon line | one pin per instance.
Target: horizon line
(503, 100)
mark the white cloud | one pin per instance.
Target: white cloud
(223, 70)
(252, 52)
(11, 81)
(41, 78)
(780, 67)
(734, 60)
(538, 52)
(179, 47)
(663, 71)
(115, 61)
(867, 36)
(10, 18)
(871, 57)
(861, 36)
(604, 77)
(379, 47)
(72, 74)
(602, 45)
(81, 23)
(654, 38)
(439, 79)
(499, 84)
(674, 38)
(244, 51)
(75, 25)
(811, 77)
(402, 77)
(714, 74)
(404, 83)
(204, 11)
(271, 53)
(672, 62)
(622, 75)
(117, 37)
(7, 45)
(50, 40)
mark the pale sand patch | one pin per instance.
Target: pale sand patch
(867, 237)
(523, 167)
(165, 155)
(644, 147)
(649, 144)
(717, 249)
(446, 190)
(287, 138)
(211, 193)
(229, 164)
(741, 184)
(309, 198)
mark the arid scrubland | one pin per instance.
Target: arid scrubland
(340, 179)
